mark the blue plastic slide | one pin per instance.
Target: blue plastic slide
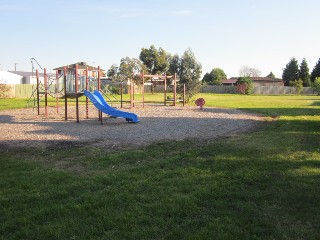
(98, 101)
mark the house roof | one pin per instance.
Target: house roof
(9, 77)
(231, 80)
(261, 79)
(266, 79)
(255, 79)
(81, 65)
(26, 74)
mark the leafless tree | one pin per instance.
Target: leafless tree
(246, 71)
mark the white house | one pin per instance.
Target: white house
(10, 78)
(29, 77)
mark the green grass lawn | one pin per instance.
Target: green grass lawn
(260, 185)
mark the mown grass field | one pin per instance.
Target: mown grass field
(260, 185)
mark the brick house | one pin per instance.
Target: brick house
(257, 81)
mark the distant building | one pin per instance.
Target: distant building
(229, 82)
(19, 77)
(10, 78)
(257, 81)
(28, 77)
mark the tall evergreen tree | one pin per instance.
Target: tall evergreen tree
(304, 74)
(316, 71)
(290, 72)
(207, 78)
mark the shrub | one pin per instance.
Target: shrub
(298, 85)
(316, 85)
(4, 88)
(244, 85)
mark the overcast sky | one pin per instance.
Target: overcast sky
(228, 34)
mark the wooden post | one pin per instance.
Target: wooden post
(184, 93)
(99, 80)
(143, 89)
(121, 89)
(165, 90)
(98, 88)
(131, 95)
(87, 88)
(175, 90)
(76, 91)
(57, 90)
(38, 94)
(45, 91)
(65, 93)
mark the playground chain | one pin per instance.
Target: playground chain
(24, 128)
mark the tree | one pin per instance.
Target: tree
(304, 74)
(189, 73)
(297, 84)
(174, 64)
(271, 75)
(246, 71)
(127, 70)
(155, 60)
(112, 72)
(244, 85)
(316, 85)
(207, 78)
(316, 71)
(215, 77)
(290, 72)
(147, 56)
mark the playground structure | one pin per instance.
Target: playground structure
(163, 77)
(69, 82)
(72, 80)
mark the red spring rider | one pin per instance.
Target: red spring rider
(200, 102)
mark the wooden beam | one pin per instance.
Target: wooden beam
(155, 76)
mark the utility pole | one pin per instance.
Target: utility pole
(15, 67)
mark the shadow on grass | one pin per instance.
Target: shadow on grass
(284, 111)
(263, 185)
(315, 103)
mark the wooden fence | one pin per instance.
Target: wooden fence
(26, 90)
(267, 90)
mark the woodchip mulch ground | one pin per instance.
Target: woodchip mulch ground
(24, 128)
